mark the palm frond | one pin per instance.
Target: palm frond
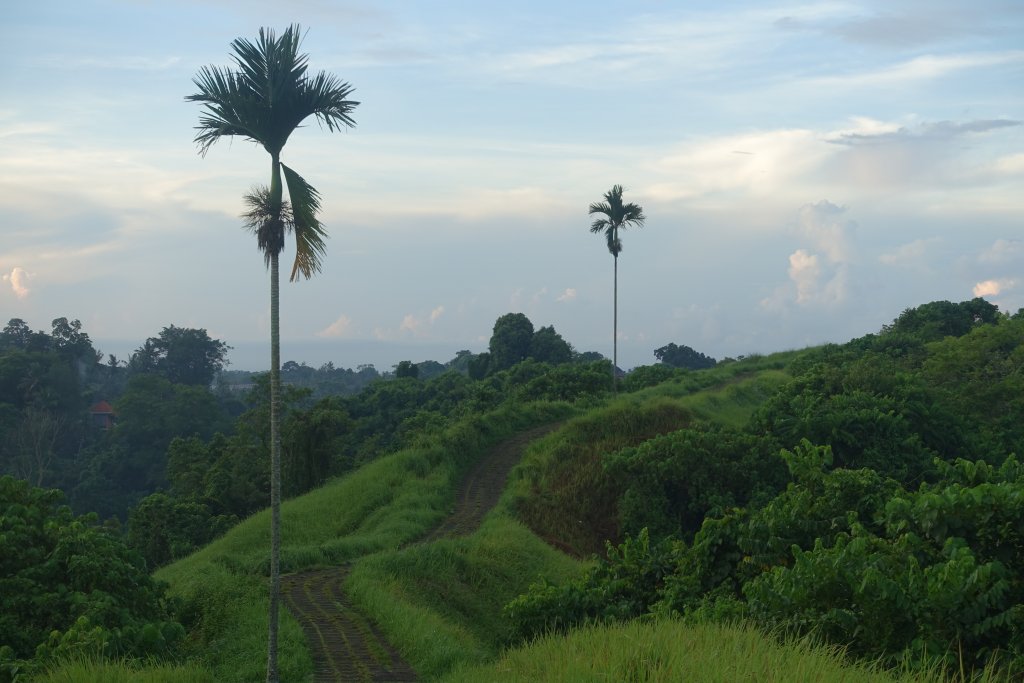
(268, 94)
(228, 107)
(260, 219)
(309, 232)
(614, 243)
(633, 214)
(615, 216)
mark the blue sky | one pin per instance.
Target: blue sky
(808, 170)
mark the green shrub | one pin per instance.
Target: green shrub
(69, 586)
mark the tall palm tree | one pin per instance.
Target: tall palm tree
(263, 98)
(615, 216)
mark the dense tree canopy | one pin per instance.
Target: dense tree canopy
(182, 355)
(940, 319)
(68, 585)
(683, 357)
(510, 341)
(547, 346)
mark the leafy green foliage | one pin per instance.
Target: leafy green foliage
(181, 355)
(939, 577)
(899, 535)
(940, 319)
(567, 496)
(683, 357)
(619, 587)
(670, 483)
(406, 369)
(69, 586)
(547, 346)
(162, 528)
(511, 340)
(648, 376)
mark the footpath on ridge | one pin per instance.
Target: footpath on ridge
(346, 646)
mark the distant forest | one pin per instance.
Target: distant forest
(109, 432)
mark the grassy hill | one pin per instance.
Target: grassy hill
(443, 603)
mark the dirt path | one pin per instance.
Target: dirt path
(346, 647)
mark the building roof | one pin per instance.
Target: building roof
(101, 408)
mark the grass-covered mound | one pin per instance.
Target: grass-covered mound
(564, 490)
(441, 603)
(668, 651)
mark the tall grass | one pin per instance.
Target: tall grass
(670, 651)
(385, 504)
(441, 604)
(92, 671)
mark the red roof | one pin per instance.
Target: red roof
(101, 408)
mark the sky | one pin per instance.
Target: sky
(808, 170)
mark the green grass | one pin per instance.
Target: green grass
(670, 651)
(441, 604)
(387, 503)
(90, 671)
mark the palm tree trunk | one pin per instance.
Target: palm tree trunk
(615, 326)
(275, 454)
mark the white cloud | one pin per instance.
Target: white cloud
(820, 223)
(568, 295)
(910, 254)
(994, 287)
(818, 276)
(340, 328)
(18, 278)
(925, 67)
(411, 324)
(681, 45)
(762, 164)
(875, 132)
(1009, 165)
(1003, 251)
(805, 272)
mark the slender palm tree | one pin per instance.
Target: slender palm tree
(263, 98)
(615, 216)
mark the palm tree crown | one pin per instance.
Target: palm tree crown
(264, 99)
(616, 216)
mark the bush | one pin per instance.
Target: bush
(69, 586)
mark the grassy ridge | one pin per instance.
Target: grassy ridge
(441, 604)
(391, 501)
